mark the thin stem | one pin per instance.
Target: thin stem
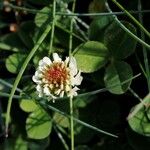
(69, 13)
(145, 103)
(71, 123)
(80, 31)
(132, 18)
(71, 28)
(77, 18)
(135, 95)
(18, 78)
(144, 49)
(71, 98)
(34, 11)
(140, 65)
(61, 138)
(9, 85)
(3, 94)
(79, 95)
(100, 14)
(77, 120)
(53, 28)
(127, 30)
(73, 34)
(102, 89)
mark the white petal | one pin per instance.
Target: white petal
(62, 94)
(73, 92)
(40, 95)
(67, 88)
(41, 62)
(56, 57)
(75, 89)
(51, 86)
(39, 88)
(40, 91)
(44, 81)
(36, 80)
(67, 60)
(73, 66)
(41, 69)
(77, 79)
(61, 86)
(58, 92)
(46, 91)
(38, 74)
(53, 97)
(47, 61)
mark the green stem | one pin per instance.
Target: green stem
(61, 138)
(135, 95)
(71, 98)
(132, 18)
(140, 65)
(68, 31)
(144, 49)
(79, 95)
(71, 123)
(34, 11)
(77, 120)
(53, 28)
(127, 30)
(102, 89)
(71, 28)
(99, 14)
(144, 103)
(18, 78)
(9, 85)
(2, 94)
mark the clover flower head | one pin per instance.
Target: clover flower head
(57, 78)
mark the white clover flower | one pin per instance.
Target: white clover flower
(57, 78)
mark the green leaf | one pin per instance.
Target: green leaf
(44, 16)
(61, 120)
(116, 73)
(82, 102)
(20, 144)
(98, 26)
(91, 56)
(140, 122)
(119, 42)
(28, 105)
(14, 62)
(38, 124)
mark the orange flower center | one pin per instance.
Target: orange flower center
(57, 73)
